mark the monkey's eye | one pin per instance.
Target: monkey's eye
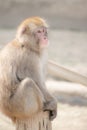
(38, 31)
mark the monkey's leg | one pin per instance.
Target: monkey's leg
(27, 100)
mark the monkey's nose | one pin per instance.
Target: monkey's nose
(45, 38)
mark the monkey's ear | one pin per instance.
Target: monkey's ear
(20, 33)
(22, 30)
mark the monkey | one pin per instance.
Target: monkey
(22, 72)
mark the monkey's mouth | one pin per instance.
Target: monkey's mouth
(44, 41)
(44, 44)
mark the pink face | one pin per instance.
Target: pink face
(41, 36)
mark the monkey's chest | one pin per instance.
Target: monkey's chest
(31, 70)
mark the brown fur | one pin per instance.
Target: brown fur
(22, 78)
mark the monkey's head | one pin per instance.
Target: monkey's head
(33, 33)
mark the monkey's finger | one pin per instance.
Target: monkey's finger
(52, 115)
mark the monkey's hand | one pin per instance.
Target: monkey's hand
(51, 106)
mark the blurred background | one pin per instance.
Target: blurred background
(67, 21)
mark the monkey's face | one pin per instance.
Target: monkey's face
(33, 32)
(41, 37)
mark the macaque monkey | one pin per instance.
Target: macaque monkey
(22, 72)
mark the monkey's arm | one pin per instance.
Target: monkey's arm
(50, 101)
